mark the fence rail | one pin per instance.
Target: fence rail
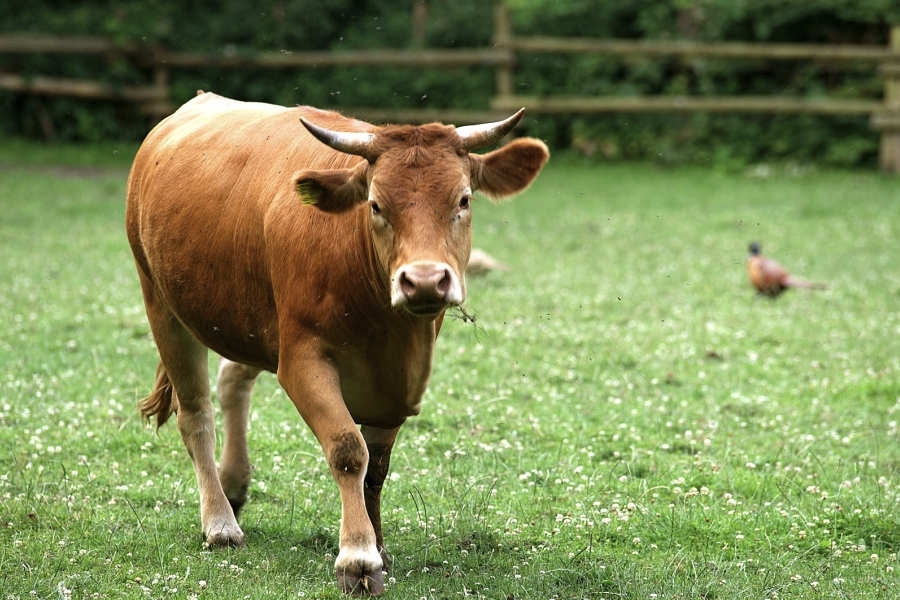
(48, 86)
(154, 99)
(347, 58)
(36, 44)
(682, 104)
(687, 49)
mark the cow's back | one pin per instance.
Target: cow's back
(199, 192)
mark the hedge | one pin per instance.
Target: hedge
(293, 25)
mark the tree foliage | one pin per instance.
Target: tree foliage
(233, 27)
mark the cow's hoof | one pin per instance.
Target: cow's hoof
(371, 584)
(225, 536)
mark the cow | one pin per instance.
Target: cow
(318, 247)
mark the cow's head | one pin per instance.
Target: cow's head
(416, 184)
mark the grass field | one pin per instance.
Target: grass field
(626, 420)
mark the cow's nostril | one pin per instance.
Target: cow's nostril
(407, 286)
(443, 285)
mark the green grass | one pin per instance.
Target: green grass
(627, 420)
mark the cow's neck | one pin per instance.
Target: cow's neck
(382, 355)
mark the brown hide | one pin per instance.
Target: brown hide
(201, 189)
(256, 240)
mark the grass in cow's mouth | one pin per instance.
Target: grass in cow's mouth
(630, 422)
(464, 314)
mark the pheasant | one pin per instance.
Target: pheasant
(770, 278)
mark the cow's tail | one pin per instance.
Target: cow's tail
(162, 401)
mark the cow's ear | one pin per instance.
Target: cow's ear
(333, 190)
(510, 169)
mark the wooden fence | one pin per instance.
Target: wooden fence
(154, 99)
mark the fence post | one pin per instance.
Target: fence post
(502, 37)
(159, 108)
(419, 21)
(889, 152)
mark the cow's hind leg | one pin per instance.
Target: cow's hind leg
(234, 388)
(184, 359)
(379, 442)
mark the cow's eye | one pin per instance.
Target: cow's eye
(464, 202)
(376, 210)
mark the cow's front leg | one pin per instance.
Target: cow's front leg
(313, 386)
(379, 443)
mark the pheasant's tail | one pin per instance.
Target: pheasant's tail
(793, 282)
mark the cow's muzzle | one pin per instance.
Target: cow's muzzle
(426, 288)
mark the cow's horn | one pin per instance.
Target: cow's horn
(351, 142)
(479, 136)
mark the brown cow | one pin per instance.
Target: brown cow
(342, 299)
